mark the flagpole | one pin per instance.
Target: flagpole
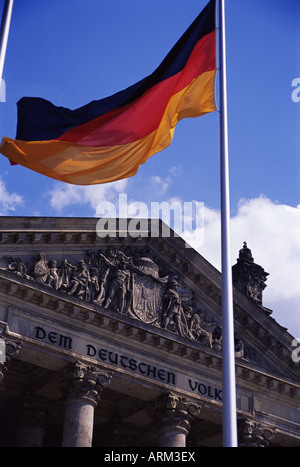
(4, 31)
(228, 357)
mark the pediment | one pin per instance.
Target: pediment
(156, 283)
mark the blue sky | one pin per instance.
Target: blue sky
(74, 51)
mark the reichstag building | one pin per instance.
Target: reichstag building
(116, 341)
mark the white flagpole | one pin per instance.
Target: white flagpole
(228, 357)
(4, 31)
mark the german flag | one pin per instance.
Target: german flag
(108, 139)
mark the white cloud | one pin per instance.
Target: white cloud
(63, 196)
(160, 185)
(272, 232)
(9, 202)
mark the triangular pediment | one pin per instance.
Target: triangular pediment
(153, 282)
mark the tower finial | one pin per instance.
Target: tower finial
(245, 253)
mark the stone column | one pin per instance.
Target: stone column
(82, 385)
(9, 350)
(175, 414)
(32, 421)
(254, 434)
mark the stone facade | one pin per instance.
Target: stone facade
(117, 341)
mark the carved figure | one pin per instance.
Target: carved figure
(217, 338)
(65, 272)
(17, 266)
(101, 293)
(53, 278)
(197, 331)
(94, 284)
(80, 281)
(118, 287)
(174, 314)
(41, 270)
(238, 348)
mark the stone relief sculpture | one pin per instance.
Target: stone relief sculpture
(18, 267)
(174, 317)
(41, 270)
(80, 281)
(130, 282)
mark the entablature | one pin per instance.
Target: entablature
(70, 311)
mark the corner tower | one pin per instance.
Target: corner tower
(248, 276)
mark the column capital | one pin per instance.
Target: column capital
(82, 381)
(255, 434)
(176, 412)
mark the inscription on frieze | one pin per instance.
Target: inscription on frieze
(124, 361)
(117, 356)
